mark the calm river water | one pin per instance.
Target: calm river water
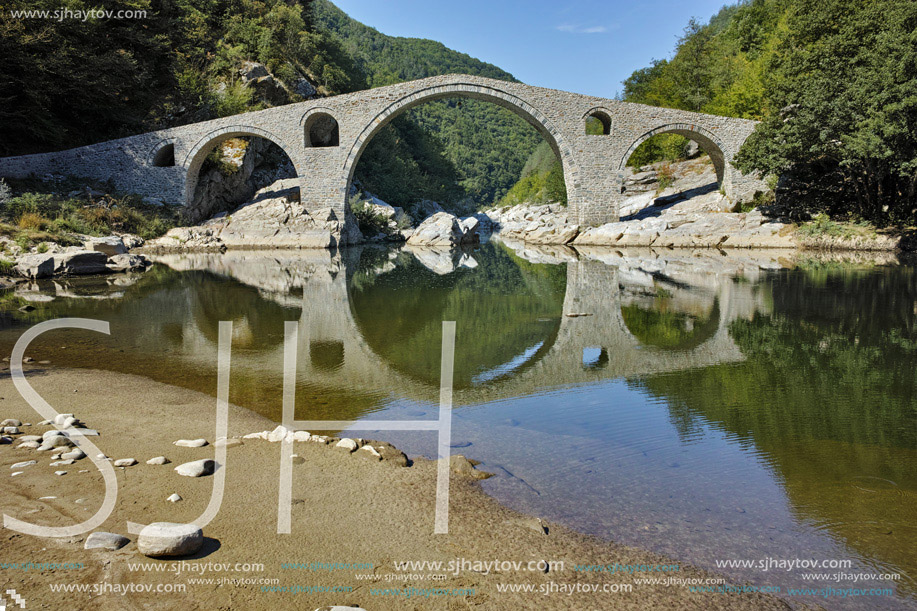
(711, 407)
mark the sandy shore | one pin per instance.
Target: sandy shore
(346, 510)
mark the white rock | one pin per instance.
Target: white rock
(164, 539)
(60, 418)
(348, 445)
(371, 451)
(55, 442)
(302, 436)
(22, 465)
(101, 456)
(103, 540)
(14, 474)
(191, 443)
(60, 463)
(261, 435)
(10, 422)
(279, 434)
(159, 460)
(74, 454)
(31, 438)
(32, 445)
(60, 473)
(125, 462)
(52, 433)
(10, 430)
(174, 498)
(198, 468)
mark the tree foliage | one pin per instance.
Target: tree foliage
(842, 95)
(834, 83)
(68, 83)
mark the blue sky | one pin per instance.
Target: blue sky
(585, 46)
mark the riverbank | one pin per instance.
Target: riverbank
(345, 510)
(678, 205)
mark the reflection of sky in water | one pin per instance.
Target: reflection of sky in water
(606, 459)
(508, 367)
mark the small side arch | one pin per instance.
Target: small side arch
(603, 116)
(195, 157)
(320, 128)
(706, 140)
(163, 154)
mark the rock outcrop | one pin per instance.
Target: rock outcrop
(274, 218)
(445, 230)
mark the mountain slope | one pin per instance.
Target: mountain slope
(484, 146)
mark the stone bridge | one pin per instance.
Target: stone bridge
(325, 138)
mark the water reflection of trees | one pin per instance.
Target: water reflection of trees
(827, 397)
(502, 308)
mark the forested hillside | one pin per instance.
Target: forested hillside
(484, 146)
(72, 82)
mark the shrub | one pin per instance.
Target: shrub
(33, 221)
(666, 176)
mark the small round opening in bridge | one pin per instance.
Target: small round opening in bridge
(598, 123)
(322, 131)
(165, 156)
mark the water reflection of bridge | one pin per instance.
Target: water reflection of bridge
(594, 344)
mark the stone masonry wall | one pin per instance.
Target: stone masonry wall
(593, 165)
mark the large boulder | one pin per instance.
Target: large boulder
(80, 262)
(445, 230)
(166, 539)
(112, 245)
(35, 266)
(128, 263)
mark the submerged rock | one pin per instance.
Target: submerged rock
(461, 465)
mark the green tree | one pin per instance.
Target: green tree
(843, 87)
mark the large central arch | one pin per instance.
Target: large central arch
(466, 90)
